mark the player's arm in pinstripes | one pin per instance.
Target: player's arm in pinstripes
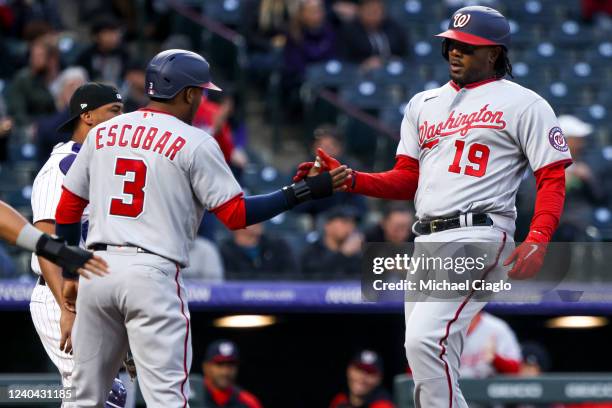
(45, 196)
(17, 231)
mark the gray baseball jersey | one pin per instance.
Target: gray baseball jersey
(474, 144)
(152, 176)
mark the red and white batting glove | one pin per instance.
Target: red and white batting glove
(528, 257)
(328, 163)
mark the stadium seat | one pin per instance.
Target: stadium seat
(595, 114)
(393, 72)
(563, 96)
(600, 53)
(528, 10)
(571, 34)
(583, 73)
(229, 12)
(547, 53)
(412, 10)
(522, 34)
(392, 115)
(366, 94)
(427, 50)
(332, 73)
(527, 75)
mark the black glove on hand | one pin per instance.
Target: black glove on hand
(71, 258)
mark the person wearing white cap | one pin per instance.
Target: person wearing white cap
(583, 186)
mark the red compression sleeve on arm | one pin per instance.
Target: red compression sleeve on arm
(399, 183)
(232, 213)
(550, 196)
(70, 208)
(506, 365)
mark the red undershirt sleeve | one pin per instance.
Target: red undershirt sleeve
(70, 208)
(506, 365)
(399, 183)
(550, 196)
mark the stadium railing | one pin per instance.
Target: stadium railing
(544, 389)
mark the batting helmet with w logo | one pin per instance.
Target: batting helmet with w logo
(478, 25)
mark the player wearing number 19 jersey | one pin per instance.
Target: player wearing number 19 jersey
(463, 150)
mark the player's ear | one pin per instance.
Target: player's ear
(87, 117)
(494, 54)
(189, 95)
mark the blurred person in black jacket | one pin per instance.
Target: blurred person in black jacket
(337, 253)
(372, 38)
(105, 60)
(250, 254)
(395, 226)
(328, 138)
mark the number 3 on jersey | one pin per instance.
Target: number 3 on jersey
(134, 188)
(478, 156)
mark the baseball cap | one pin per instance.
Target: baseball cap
(222, 351)
(88, 97)
(341, 211)
(574, 127)
(368, 361)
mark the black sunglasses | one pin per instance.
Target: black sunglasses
(463, 48)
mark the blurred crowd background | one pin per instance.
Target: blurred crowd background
(298, 75)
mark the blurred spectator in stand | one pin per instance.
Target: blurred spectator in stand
(363, 378)
(490, 348)
(133, 89)
(266, 35)
(395, 226)
(7, 266)
(6, 126)
(310, 39)
(337, 253)
(105, 60)
(205, 262)
(62, 88)
(220, 368)
(342, 11)
(583, 182)
(251, 253)
(29, 96)
(329, 139)
(372, 38)
(213, 118)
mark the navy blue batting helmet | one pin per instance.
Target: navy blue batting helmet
(478, 25)
(171, 71)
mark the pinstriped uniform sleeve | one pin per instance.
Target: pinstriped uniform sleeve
(46, 192)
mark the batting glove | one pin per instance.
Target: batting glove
(528, 257)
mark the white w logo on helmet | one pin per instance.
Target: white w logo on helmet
(461, 20)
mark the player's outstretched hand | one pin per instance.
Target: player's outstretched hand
(323, 162)
(527, 258)
(71, 258)
(66, 323)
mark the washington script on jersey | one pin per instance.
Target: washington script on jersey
(462, 124)
(166, 144)
(432, 285)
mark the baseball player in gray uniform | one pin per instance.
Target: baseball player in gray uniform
(149, 175)
(463, 151)
(90, 105)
